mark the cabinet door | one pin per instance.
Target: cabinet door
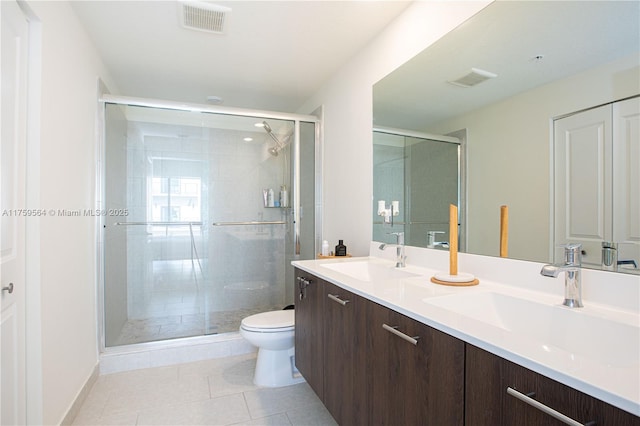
(582, 175)
(565, 400)
(483, 388)
(309, 309)
(416, 372)
(345, 393)
(626, 178)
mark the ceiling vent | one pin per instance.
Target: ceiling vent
(203, 16)
(476, 76)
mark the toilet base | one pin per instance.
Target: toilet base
(276, 368)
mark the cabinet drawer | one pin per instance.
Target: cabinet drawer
(532, 399)
(555, 400)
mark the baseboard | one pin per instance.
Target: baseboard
(82, 395)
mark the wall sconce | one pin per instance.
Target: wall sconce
(388, 213)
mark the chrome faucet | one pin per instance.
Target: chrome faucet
(571, 266)
(431, 240)
(400, 257)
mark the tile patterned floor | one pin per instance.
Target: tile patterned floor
(213, 392)
(174, 302)
(176, 326)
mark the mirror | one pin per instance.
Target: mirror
(550, 59)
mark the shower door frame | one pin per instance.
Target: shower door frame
(456, 138)
(106, 98)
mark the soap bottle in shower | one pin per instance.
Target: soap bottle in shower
(341, 249)
(270, 198)
(284, 196)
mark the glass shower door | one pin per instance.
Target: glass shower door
(251, 220)
(200, 243)
(156, 176)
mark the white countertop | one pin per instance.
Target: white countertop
(617, 383)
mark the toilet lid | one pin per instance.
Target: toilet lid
(284, 319)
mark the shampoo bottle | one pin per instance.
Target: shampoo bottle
(341, 249)
(270, 200)
(284, 197)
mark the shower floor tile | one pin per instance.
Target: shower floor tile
(188, 325)
(213, 392)
(174, 303)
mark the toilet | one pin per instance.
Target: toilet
(272, 333)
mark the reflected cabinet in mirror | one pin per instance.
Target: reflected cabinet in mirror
(543, 100)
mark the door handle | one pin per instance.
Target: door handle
(337, 299)
(8, 288)
(394, 330)
(545, 409)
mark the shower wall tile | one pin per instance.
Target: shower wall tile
(137, 162)
(194, 146)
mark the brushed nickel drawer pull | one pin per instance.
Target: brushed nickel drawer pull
(412, 340)
(337, 299)
(540, 406)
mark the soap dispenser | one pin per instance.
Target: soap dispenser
(341, 249)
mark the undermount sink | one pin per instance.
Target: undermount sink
(552, 326)
(369, 271)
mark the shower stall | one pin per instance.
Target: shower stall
(424, 173)
(202, 210)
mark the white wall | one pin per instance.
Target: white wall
(348, 102)
(70, 71)
(508, 156)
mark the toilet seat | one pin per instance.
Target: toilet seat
(270, 322)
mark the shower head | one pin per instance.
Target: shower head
(279, 145)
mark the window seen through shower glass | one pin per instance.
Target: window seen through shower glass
(175, 199)
(200, 249)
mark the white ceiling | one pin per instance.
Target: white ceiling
(273, 56)
(503, 38)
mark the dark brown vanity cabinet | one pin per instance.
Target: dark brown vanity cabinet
(345, 357)
(371, 365)
(309, 337)
(379, 367)
(416, 372)
(499, 392)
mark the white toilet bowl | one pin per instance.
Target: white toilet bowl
(273, 333)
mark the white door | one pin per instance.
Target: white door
(13, 62)
(582, 158)
(626, 179)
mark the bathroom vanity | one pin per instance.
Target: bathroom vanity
(383, 345)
